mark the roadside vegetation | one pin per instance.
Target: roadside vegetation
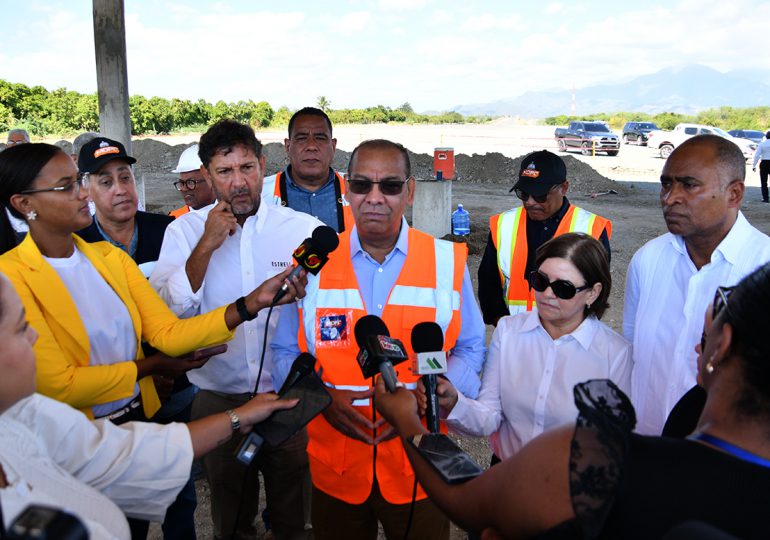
(66, 112)
(726, 118)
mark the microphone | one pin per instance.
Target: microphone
(427, 342)
(311, 255)
(378, 351)
(302, 365)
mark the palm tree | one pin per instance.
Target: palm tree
(323, 103)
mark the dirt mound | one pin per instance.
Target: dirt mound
(495, 168)
(156, 157)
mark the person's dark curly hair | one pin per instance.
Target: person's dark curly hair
(749, 315)
(224, 136)
(589, 257)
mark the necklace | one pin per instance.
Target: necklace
(736, 451)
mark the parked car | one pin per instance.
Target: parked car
(751, 134)
(589, 137)
(636, 132)
(664, 142)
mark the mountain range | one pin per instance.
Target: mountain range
(684, 90)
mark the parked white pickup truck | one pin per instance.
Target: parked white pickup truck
(664, 142)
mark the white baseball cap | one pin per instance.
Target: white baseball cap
(188, 161)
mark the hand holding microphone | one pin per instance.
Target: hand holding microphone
(311, 255)
(378, 351)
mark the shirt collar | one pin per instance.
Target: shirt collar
(131, 248)
(731, 248)
(402, 244)
(583, 334)
(289, 180)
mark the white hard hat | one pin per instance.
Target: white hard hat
(188, 161)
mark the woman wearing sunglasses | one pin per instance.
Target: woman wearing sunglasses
(595, 478)
(536, 358)
(90, 303)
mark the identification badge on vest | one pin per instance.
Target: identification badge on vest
(333, 330)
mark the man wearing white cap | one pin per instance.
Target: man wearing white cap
(195, 190)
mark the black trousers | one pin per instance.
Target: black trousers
(764, 171)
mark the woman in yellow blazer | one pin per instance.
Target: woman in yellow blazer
(41, 184)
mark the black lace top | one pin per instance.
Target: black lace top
(628, 486)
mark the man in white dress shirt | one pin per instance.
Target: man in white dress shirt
(672, 279)
(214, 256)
(762, 156)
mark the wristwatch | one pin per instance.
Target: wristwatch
(235, 422)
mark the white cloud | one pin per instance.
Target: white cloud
(489, 21)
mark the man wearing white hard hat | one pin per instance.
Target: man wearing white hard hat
(194, 189)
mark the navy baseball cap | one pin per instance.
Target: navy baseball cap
(99, 151)
(539, 172)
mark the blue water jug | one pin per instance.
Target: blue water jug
(461, 221)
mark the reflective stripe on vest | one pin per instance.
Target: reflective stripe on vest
(510, 239)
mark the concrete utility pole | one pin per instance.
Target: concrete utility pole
(111, 70)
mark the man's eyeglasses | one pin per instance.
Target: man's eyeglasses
(387, 187)
(523, 195)
(720, 304)
(73, 188)
(189, 184)
(561, 287)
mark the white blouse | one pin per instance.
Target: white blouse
(528, 379)
(54, 455)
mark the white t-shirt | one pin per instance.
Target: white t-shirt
(111, 335)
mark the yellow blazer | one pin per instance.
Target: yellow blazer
(62, 350)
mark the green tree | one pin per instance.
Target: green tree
(323, 103)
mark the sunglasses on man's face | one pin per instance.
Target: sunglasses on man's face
(523, 195)
(387, 187)
(561, 287)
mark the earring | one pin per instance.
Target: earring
(709, 367)
(31, 215)
(588, 305)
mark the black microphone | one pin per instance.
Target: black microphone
(311, 255)
(378, 351)
(428, 342)
(302, 365)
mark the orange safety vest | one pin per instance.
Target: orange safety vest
(427, 289)
(345, 220)
(179, 211)
(509, 235)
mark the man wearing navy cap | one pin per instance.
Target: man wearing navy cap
(113, 190)
(515, 235)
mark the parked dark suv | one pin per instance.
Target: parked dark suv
(636, 132)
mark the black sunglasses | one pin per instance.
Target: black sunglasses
(523, 195)
(387, 187)
(561, 287)
(720, 303)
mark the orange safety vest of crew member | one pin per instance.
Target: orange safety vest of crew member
(509, 234)
(179, 211)
(427, 289)
(342, 203)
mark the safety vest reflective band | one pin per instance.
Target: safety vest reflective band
(509, 235)
(343, 206)
(427, 289)
(179, 211)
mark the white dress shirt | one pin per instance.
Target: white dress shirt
(528, 379)
(53, 455)
(762, 152)
(259, 250)
(665, 303)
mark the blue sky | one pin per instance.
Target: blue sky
(433, 54)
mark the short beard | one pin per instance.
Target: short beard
(238, 211)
